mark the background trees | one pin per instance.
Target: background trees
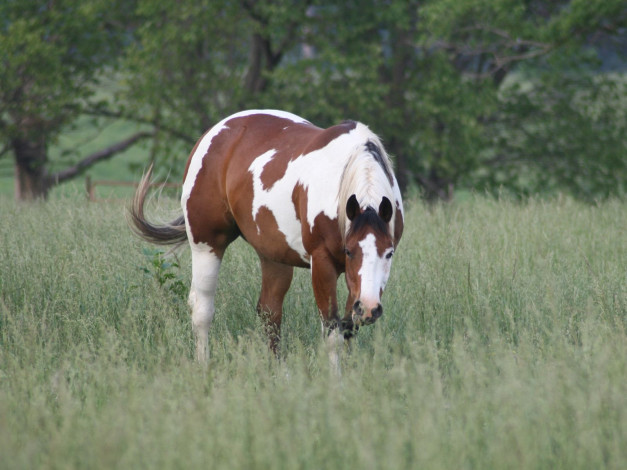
(479, 94)
(52, 55)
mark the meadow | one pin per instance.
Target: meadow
(503, 344)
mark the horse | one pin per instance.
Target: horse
(301, 196)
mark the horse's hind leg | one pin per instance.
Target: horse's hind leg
(275, 282)
(205, 267)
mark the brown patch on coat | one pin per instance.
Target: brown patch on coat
(260, 133)
(208, 212)
(270, 241)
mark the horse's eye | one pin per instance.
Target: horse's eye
(389, 255)
(348, 253)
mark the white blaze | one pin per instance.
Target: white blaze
(374, 272)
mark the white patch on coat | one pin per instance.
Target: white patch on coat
(374, 271)
(286, 219)
(318, 172)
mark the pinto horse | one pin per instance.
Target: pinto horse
(323, 199)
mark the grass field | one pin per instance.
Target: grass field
(503, 345)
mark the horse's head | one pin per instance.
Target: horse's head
(369, 247)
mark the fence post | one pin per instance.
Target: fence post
(89, 189)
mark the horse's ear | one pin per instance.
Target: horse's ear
(385, 210)
(352, 207)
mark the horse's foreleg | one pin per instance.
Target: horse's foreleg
(324, 276)
(275, 282)
(205, 267)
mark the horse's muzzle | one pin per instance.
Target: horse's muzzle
(366, 316)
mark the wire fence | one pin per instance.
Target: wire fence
(90, 187)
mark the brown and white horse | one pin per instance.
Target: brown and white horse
(324, 199)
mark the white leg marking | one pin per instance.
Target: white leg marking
(335, 345)
(205, 267)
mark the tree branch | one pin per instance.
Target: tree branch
(510, 41)
(96, 157)
(100, 112)
(503, 53)
(264, 57)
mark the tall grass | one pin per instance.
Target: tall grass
(503, 345)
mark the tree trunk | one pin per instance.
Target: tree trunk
(396, 76)
(255, 82)
(403, 173)
(31, 177)
(436, 188)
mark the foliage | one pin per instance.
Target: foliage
(503, 344)
(559, 122)
(52, 56)
(430, 77)
(165, 272)
(209, 58)
(575, 140)
(462, 92)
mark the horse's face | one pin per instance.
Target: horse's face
(369, 248)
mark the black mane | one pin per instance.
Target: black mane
(375, 151)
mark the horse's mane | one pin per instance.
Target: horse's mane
(367, 174)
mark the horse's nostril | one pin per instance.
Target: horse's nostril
(377, 311)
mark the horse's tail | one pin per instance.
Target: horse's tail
(172, 233)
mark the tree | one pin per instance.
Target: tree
(390, 72)
(573, 141)
(430, 77)
(433, 78)
(559, 123)
(52, 55)
(195, 62)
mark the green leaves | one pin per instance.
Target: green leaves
(165, 272)
(51, 54)
(51, 57)
(435, 79)
(571, 141)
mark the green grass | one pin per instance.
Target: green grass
(503, 345)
